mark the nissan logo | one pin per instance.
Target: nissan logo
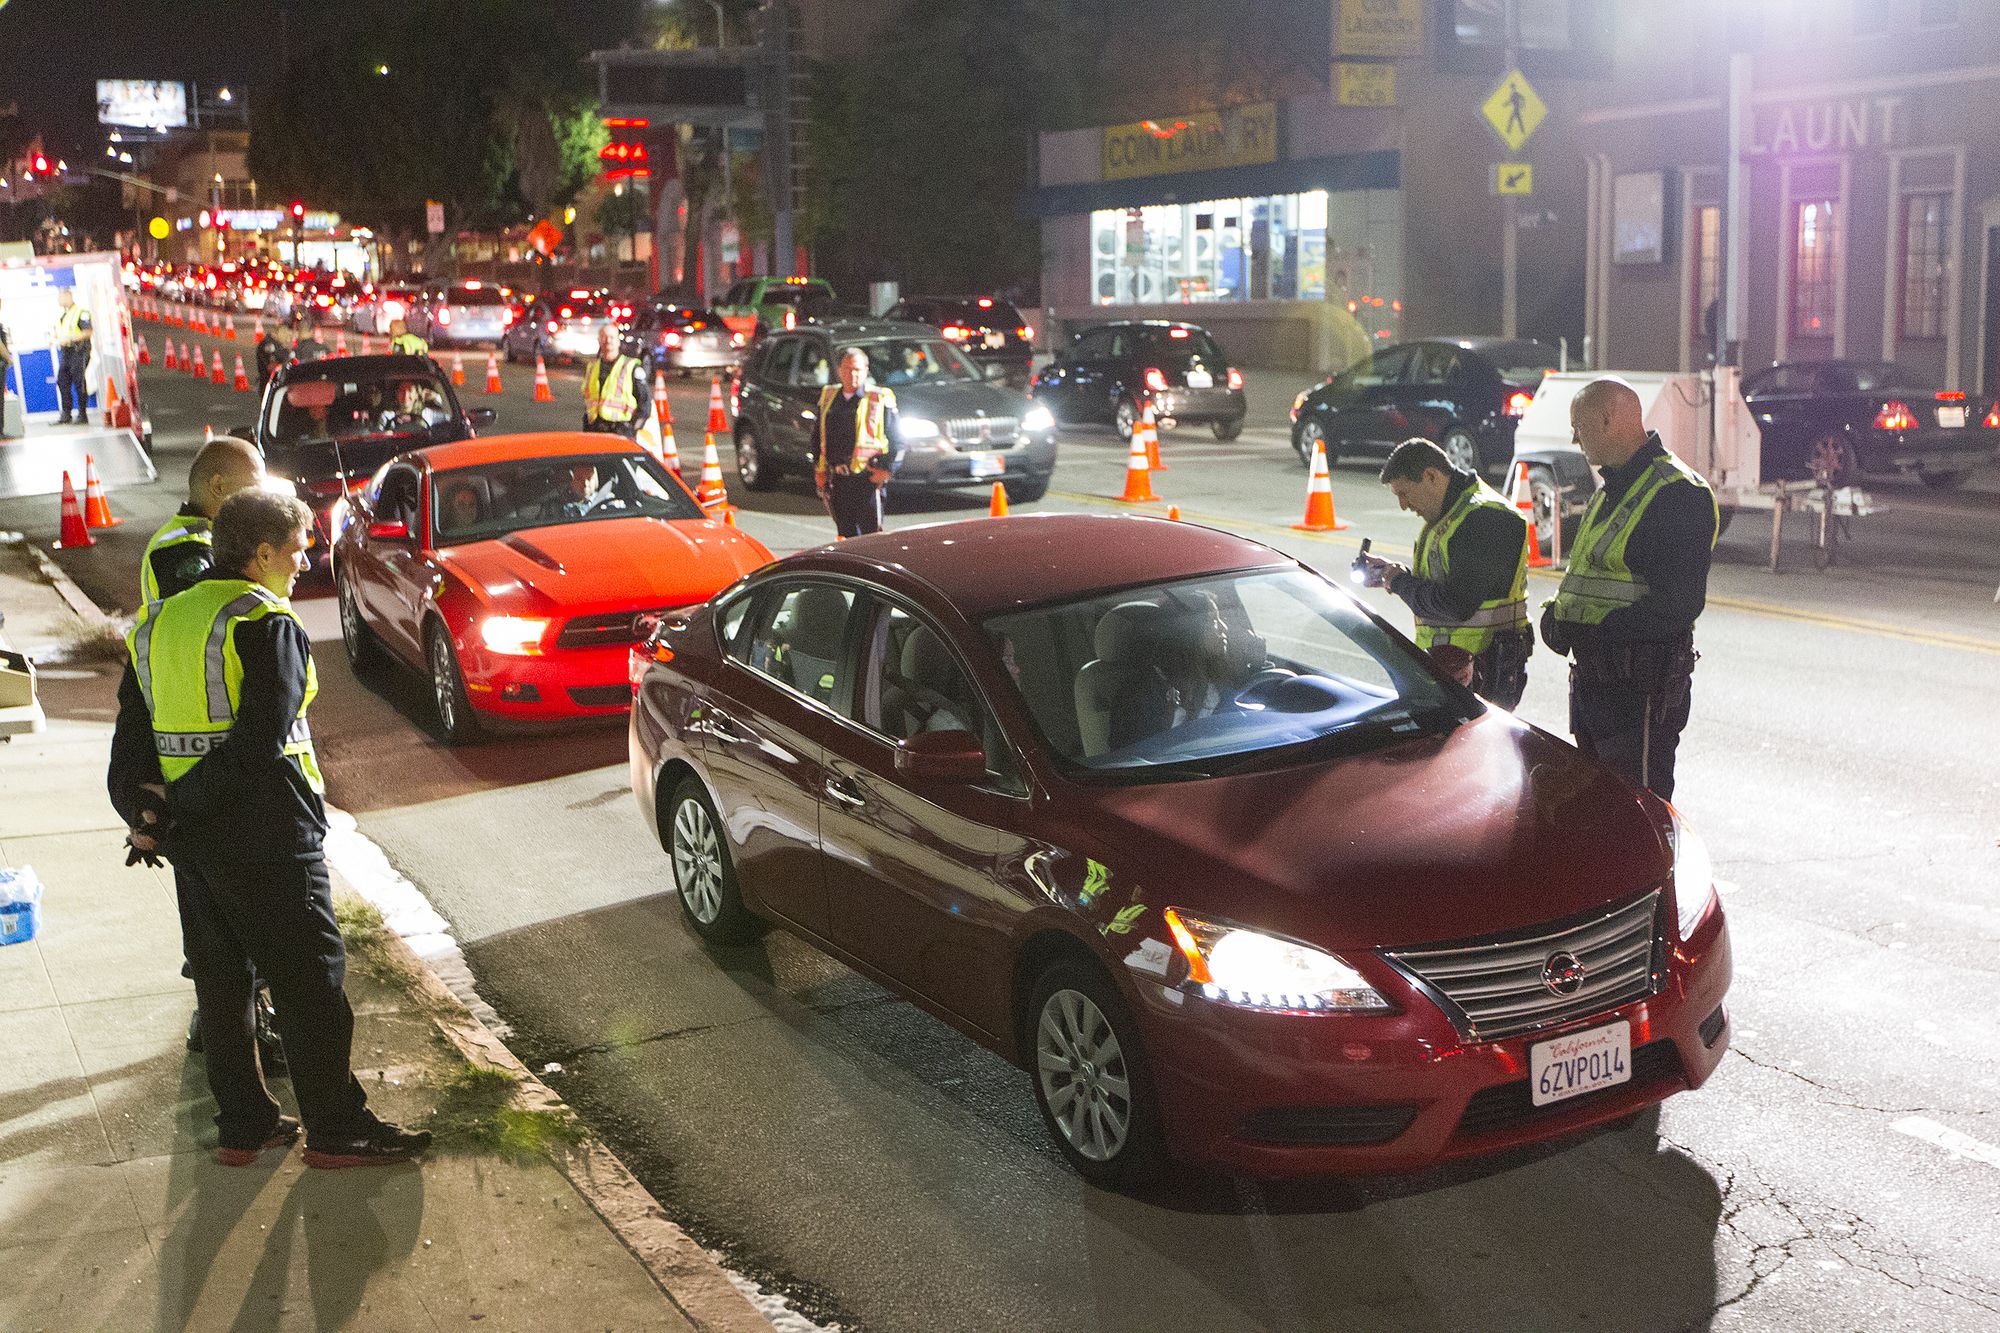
(1562, 973)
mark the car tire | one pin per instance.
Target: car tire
(1026, 490)
(363, 652)
(1542, 485)
(1463, 451)
(1945, 480)
(704, 875)
(450, 709)
(1091, 1079)
(1124, 418)
(1227, 430)
(754, 464)
(1309, 430)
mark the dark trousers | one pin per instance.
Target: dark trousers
(70, 363)
(629, 429)
(271, 918)
(1502, 669)
(855, 503)
(1632, 730)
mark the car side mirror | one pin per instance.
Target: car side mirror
(481, 416)
(391, 530)
(941, 756)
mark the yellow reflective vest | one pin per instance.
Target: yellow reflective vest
(408, 344)
(612, 392)
(183, 651)
(1510, 612)
(178, 530)
(871, 426)
(1598, 581)
(69, 326)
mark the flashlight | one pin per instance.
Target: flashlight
(1358, 571)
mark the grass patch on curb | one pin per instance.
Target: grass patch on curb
(476, 1112)
(93, 641)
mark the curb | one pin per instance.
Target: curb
(66, 587)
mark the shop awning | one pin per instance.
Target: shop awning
(1379, 170)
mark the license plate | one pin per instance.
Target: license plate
(1200, 379)
(987, 465)
(996, 339)
(1952, 418)
(1582, 1062)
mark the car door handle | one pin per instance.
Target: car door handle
(722, 726)
(838, 789)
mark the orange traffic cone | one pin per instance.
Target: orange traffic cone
(1147, 423)
(492, 373)
(242, 383)
(1524, 502)
(219, 376)
(458, 368)
(194, 323)
(998, 508)
(257, 333)
(1319, 496)
(1174, 513)
(75, 532)
(718, 419)
(729, 517)
(711, 492)
(191, 361)
(543, 393)
(145, 352)
(670, 453)
(340, 342)
(229, 329)
(116, 414)
(1138, 476)
(173, 316)
(96, 513)
(170, 359)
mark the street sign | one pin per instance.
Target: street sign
(1513, 178)
(1514, 110)
(433, 217)
(1389, 28)
(1355, 84)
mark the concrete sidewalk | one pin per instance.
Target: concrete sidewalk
(113, 1213)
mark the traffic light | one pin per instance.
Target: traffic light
(41, 164)
(298, 211)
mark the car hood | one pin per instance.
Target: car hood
(968, 398)
(1492, 828)
(605, 565)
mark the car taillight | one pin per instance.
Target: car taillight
(552, 326)
(1026, 333)
(565, 312)
(957, 332)
(736, 339)
(1156, 381)
(1951, 395)
(444, 315)
(1517, 402)
(323, 300)
(512, 315)
(1895, 416)
(1992, 421)
(1298, 403)
(672, 339)
(1235, 378)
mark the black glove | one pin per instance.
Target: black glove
(1555, 633)
(134, 854)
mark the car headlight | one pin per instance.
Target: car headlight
(1038, 419)
(1252, 970)
(1694, 875)
(518, 636)
(919, 428)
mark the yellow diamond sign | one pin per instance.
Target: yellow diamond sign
(1514, 110)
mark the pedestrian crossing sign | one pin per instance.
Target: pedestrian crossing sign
(1513, 178)
(1514, 110)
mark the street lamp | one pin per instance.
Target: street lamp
(224, 95)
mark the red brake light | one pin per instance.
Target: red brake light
(1517, 402)
(1235, 378)
(672, 339)
(1895, 416)
(1992, 421)
(1156, 381)
(552, 326)
(1951, 395)
(1026, 333)
(565, 312)
(985, 303)
(1177, 333)
(444, 314)
(956, 332)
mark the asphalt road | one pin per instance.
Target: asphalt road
(1838, 1172)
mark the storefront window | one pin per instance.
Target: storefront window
(1924, 225)
(1815, 260)
(1284, 247)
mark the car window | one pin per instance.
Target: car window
(1869, 377)
(773, 364)
(911, 682)
(1182, 341)
(396, 502)
(1434, 365)
(493, 499)
(899, 361)
(739, 294)
(813, 370)
(1796, 377)
(1092, 346)
(1387, 366)
(800, 639)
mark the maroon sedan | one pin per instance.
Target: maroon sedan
(1178, 825)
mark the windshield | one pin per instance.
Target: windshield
(475, 296)
(1183, 341)
(972, 315)
(1523, 362)
(474, 504)
(1226, 671)
(402, 401)
(1869, 377)
(899, 361)
(795, 293)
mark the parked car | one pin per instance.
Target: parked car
(558, 326)
(1107, 372)
(327, 425)
(754, 304)
(1845, 420)
(1463, 394)
(516, 572)
(685, 339)
(1309, 908)
(459, 314)
(382, 305)
(988, 330)
(957, 428)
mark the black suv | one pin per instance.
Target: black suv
(1108, 371)
(326, 425)
(957, 428)
(988, 330)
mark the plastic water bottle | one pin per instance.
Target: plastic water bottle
(20, 905)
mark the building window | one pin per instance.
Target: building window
(1936, 13)
(1707, 272)
(1545, 24)
(1815, 261)
(1926, 220)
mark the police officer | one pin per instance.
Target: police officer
(275, 351)
(307, 346)
(404, 343)
(859, 446)
(614, 385)
(1637, 579)
(213, 760)
(72, 344)
(179, 555)
(1469, 587)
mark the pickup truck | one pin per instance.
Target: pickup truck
(752, 304)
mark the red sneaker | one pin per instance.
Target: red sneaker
(284, 1136)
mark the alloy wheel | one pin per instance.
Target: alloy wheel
(1125, 418)
(1310, 433)
(749, 464)
(1463, 452)
(1084, 1076)
(444, 684)
(697, 862)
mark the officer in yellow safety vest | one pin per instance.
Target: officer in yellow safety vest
(179, 554)
(614, 385)
(1637, 579)
(1469, 587)
(404, 343)
(212, 764)
(859, 444)
(72, 345)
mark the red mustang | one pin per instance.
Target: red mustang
(516, 570)
(1178, 825)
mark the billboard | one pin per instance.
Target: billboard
(142, 104)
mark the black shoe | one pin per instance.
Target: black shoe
(63, 421)
(385, 1145)
(194, 1032)
(283, 1135)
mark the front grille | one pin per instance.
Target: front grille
(981, 432)
(1494, 988)
(616, 629)
(600, 696)
(1326, 1126)
(1511, 1104)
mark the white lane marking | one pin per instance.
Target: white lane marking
(1953, 1142)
